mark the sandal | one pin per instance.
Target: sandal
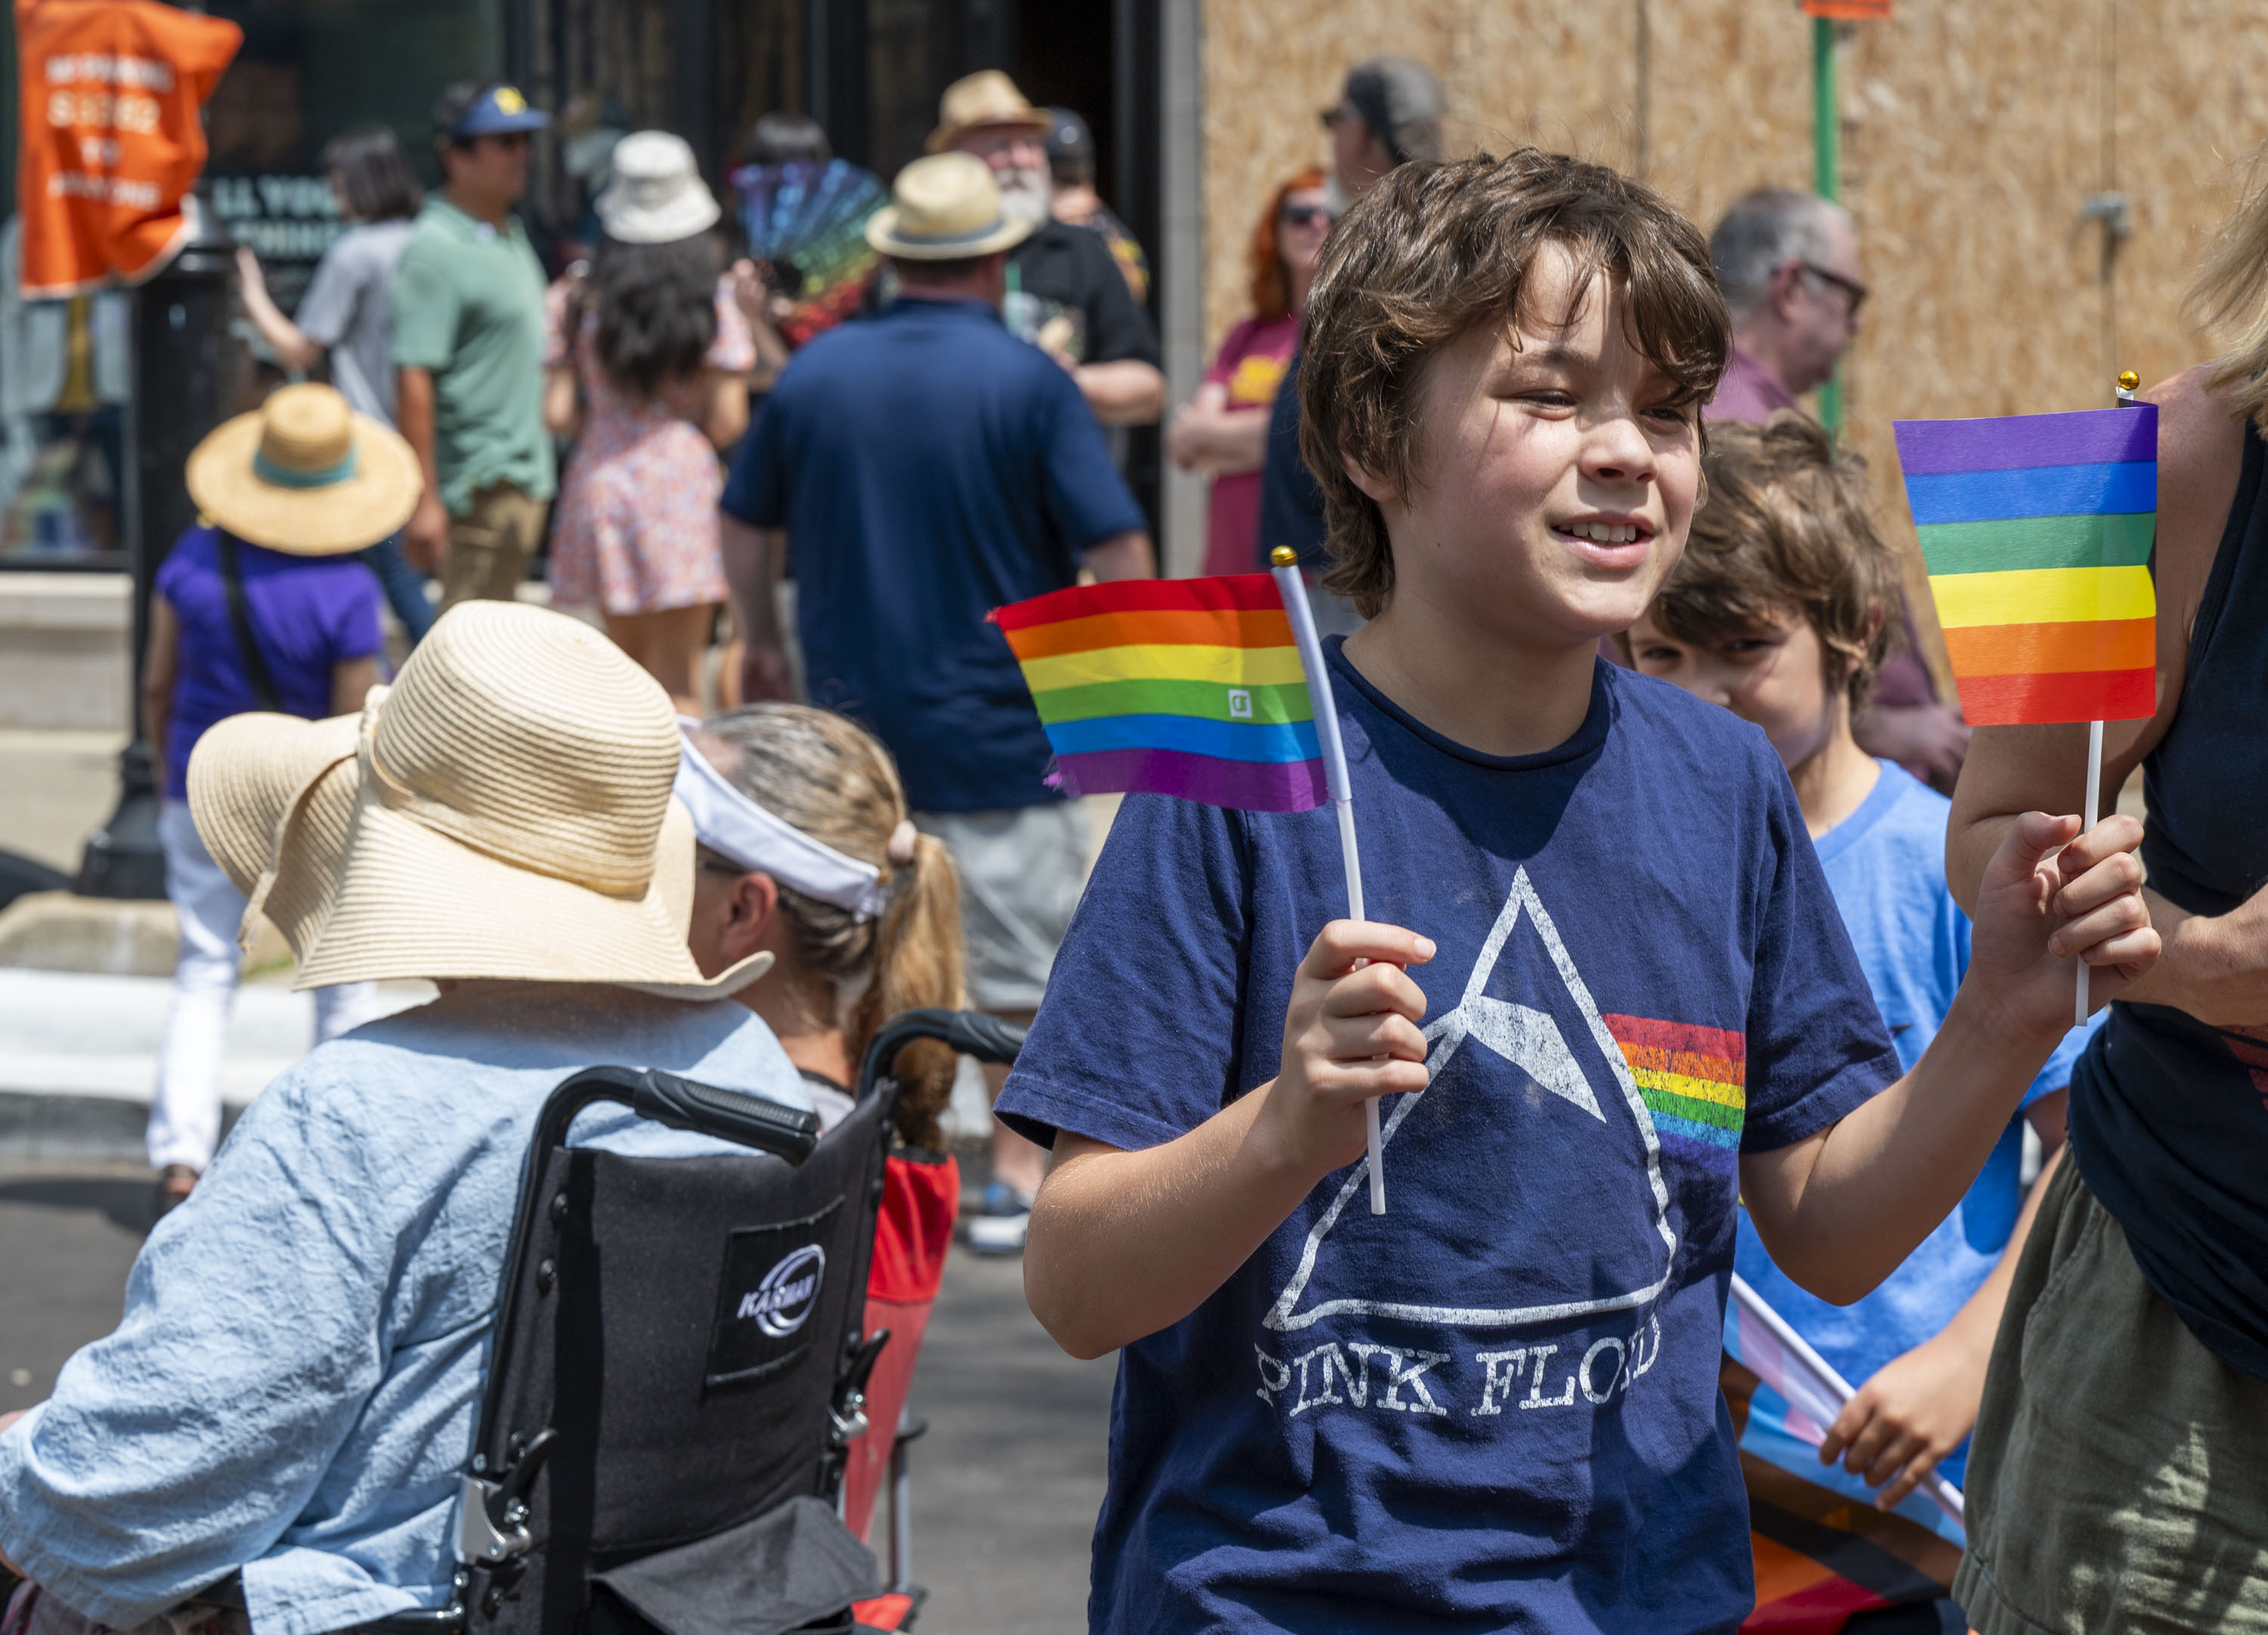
(175, 1182)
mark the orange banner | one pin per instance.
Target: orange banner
(110, 94)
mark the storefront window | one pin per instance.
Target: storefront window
(308, 70)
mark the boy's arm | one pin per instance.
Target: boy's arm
(1839, 1210)
(1917, 1407)
(1123, 1244)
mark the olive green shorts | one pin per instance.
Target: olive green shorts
(2119, 1480)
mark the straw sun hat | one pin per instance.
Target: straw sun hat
(942, 209)
(305, 474)
(987, 97)
(502, 811)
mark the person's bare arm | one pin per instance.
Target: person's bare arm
(426, 537)
(1123, 1244)
(726, 397)
(161, 666)
(351, 680)
(563, 407)
(755, 558)
(1126, 555)
(1207, 435)
(2214, 967)
(1840, 1210)
(1899, 1425)
(1127, 393)
(289, 343)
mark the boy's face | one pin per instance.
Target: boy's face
(1775, 676)
(1556, 474)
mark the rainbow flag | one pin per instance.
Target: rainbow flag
(1191, 688)
(2037, 531)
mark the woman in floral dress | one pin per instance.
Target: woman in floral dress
(653, 385)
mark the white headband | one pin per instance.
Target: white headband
(738, 830)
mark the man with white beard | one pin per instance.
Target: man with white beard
(1066, 294)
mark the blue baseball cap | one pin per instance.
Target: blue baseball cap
(498, 111)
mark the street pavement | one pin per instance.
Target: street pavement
(1007, 1482)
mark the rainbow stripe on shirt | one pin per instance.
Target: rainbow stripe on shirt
(1694, 1081)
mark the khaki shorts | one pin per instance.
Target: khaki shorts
(1021, 871)
(490, 544)
(2119, 1480)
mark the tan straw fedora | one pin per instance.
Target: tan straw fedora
(504, 811)
(988, 97)
(942, 209)
(305, 474)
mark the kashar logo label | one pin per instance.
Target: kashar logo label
(782, 1302)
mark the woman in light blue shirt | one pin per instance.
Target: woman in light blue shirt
(293, 1386)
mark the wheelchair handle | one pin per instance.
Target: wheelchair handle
(791, 1133)
(971, 1032)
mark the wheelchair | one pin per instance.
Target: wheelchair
(679, 1371)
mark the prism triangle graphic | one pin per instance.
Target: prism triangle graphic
(1532, 1133)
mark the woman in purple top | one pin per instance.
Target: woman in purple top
(1222, 431)
(262, 606)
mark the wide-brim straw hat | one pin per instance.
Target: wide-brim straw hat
(988, 97)
(945, 208)
(502, 812)
(305, 475)
(655, 194)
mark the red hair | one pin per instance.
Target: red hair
(1272, 292)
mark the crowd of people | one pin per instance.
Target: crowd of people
(1713, 942)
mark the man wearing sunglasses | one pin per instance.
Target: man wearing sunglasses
(1788, 262)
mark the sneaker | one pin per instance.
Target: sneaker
(1000, 1222)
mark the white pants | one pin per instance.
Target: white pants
(185, 1112)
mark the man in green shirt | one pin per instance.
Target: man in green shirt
(468, 354)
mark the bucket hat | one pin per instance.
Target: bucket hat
(504, 811)
(943, 208)
(987, 97)
(305, 474)
(655, 194)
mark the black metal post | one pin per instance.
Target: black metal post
(183, 386)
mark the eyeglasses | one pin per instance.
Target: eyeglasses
(1850, 287)
(1307, 215)
(1332, 116)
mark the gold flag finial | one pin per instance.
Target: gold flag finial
(1282, 556)
(2128, 379)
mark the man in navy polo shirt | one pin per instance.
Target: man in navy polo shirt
(928, 466)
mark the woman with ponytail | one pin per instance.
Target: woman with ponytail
(807, 851)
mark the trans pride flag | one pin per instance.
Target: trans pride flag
(1191, 688)
(1823, 1551)
(2037, 531)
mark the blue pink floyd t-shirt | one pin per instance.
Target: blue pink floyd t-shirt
(1495, 1406)
(1885, 864)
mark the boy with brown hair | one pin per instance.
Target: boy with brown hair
(1632, 1001)
(1780, 611)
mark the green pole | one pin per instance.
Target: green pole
(1827, 173)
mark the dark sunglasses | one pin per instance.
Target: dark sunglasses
(1307, 215)
(1850, 287)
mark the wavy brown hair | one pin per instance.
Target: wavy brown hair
(1433, 252)
(1785, 525)
(1272, 286)
(832, 779)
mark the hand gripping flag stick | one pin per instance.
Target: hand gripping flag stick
(1283, 563)
(1209, 689)
(2037, 531)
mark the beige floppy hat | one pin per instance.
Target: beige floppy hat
(503, 811)
(655, 195)
(305, 474)
(987, 97)
(942, 209)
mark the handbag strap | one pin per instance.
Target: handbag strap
(239, 617)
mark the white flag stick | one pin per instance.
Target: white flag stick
(1293, 590)
(2093, 810)
(2127, 381)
